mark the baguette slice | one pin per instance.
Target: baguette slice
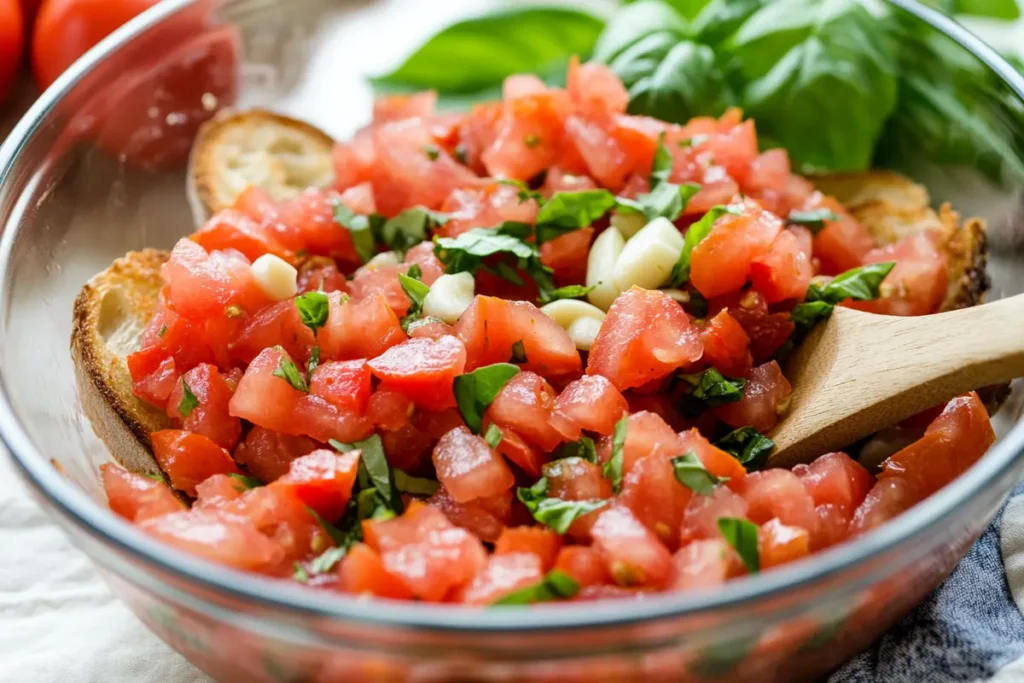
(236, 149)
(115, 306)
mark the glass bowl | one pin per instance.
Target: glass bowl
(96, 168)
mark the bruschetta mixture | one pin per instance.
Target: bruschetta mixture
(521, 354)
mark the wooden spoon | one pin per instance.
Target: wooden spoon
(857, 373)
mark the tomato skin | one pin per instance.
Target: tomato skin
(189, 459)
(362, 572)
(835, 479)
(210, 417)
(231, 229)
(703, 564)
(422, 369)
(544, 543)
(12, 43)
(726, 345)
(722, 261)
(645, 335)
(583, 564)
(527, 405)
(765, 399)
(778, 494)
(268, 454)
(504, 574)
(633, 555)
(593, 403)
(223, 538)
(322, 480)
(654, 495)
(779, 543)
(137, 497)
(346, 384)
(889, 497)
(468, 468)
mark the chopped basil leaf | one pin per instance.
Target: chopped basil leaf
(859, 284)
(461, 154)
(662, 167)
(692, 474)
(812, 220)
(741, 534)
(569, 211)
(325, 561)
(698, 306)
(555, 513)
(334, 533)
(417, 293)
(188, 401)
(518, 352)
(747, 445)
(493, 436)
(314, 360)
(155, 477)
(247, 481)
(426, 320)
(415, 272)
(409, 228)
(300, 574)
(695, 141)
(417, 486)
(475, 391)
(667, 199)
(432, 152)
(466, 252)
(163, 331)
(710, 389)
(374, 471)
(555, 585)
(314, 308)
(531, 140)
(289, 372)
(567, 292)
(694, 236)
(612, 469)
(584, 448)
(360, 227)
(525, 193)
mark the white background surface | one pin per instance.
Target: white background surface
(58, 620)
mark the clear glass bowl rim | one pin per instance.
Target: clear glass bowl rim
(269, 596)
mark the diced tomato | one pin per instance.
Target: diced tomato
(422, 369)
(369, 281)
(954, 441)
(268, 454)
(189, 458)
(544, 543)
(208, 414)
(632, 554)
(321, 420)
(279, 514)
(703, 564)
(767, 331)
(225, 539)
(777, 493)
(726, 345)
(836, 479)
(490, 326)
(886, 499)
(765, 399)
(468, 468)
(661, 404)
(916, 285)
(359, 329)
(526, 404)
(647, 435)
(583, 564)
(477, 132)
(721, 262)
(423, 256)
(767, 178)
(362, 572)
(842, 244)
(654, 495)
(593, 403)
(577, 479)
(833, 523)
(346, 384)
(595, 89)
(639, 136)
(558, 179)
(780, 543)
(528, 136)
(402, 106)
(521, 85)
(315, 276)
(137, 497)
(323, 480)
(703, 512)
(485, 517)
(504, 574)
(154, 375)
(388, 409)
(309, 219)
(517, 450)
(646, 335)
(430, 329)
(425, 551)
(408, 447)
(276, 325)
(264, 398)
(231, 229)
(714, 459)
(784, 272)
(567, 256)
(606, 161)
(218, 490)
(202, 285)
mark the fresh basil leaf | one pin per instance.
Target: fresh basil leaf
(188, 401)
(694, 236)
(417, 486)
(432, 152)
(415, 272)
(465, 253)
(1007, 10)
(748, 446)
(374, 470)
(741, 534)
(409, 228)
(478, 53)
(493, 436)
(475, 391)
(525, 193)
(808, 314)
(584, 448)
(634, 23)
(314, 360)
(709, 389)
(569, 211)
(556, 585)
(360, 227)
(326, 561)
(661, 168)
(812, 220)
(162, 331)
(417, 293)
(808, 61)
(518, 352)
(337, 536)
(859, 284)
(612, 470)
(314, 307)
(289, 372)
(681, 81)
(246, 481)
(692, 474)
(567, 292)
(555, 513)
(300, 574)
(667, 200)
(156, 477)
(719, 19)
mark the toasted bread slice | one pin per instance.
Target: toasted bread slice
(236, 149)
(284, 156)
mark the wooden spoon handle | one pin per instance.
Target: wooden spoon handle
(860, 372)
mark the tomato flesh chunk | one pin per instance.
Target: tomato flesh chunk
(423, 370)
(323, 480)
(189, 458)
(593, 403)
(469, 468)
(137, 497)
(633, 555)
(527, 405)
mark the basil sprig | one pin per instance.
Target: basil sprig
(812, 220)
(289, 372)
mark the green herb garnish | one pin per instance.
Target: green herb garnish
(555, 513)
(741, 534)
(612, 469)
(289, 372)
(475, 391)
(493, 436)
(314, 307)
(692, 474)
(747, 445)
(556, 585)
(188, 401)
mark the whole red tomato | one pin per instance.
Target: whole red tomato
(12, 39)
(66, 29)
